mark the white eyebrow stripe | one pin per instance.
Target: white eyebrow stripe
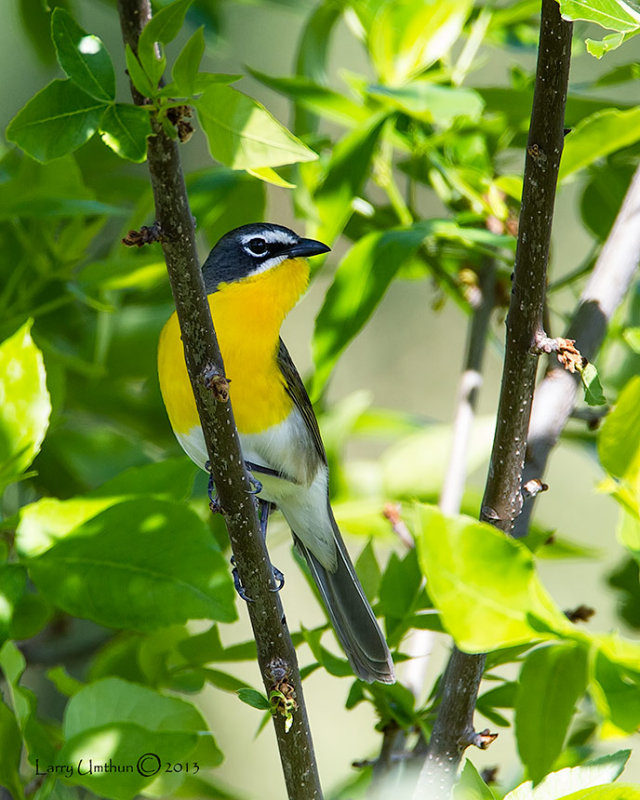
(271, 237)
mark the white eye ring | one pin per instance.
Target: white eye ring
(256, 246)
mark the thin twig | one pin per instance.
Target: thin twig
(470, 383)
(420, 643)
(276, 655)
(453, 729)
(609, 282)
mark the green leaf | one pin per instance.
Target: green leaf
(593, 393)
(54, 190)
(242, 134)
(619, 436)
(45, 522)
(599, 771)
(269, 175)
(471, 786)
(162, 28)
(311, 58)
(57, 120)
(112, 719)
(171, 479)
(620, 74)
(25, 405)
(201, 82)
(632, 336)
(83, 57)
(11, 749)
(137, 74)
(394, 702)
(206, 647)
(359, 284)
(223, 680)
(124, 565)
(461, 559)
(195, 787)
(552, 680)
(23, 700)
(603, 194)
(138, 271)
(368, 570)
(407, 37)
(346, 173)
(599, 48)
(254, 698)
(613, 14)
(185, 69)
(64, 683)
(31, 614)
(430, 102)
(615, 688)
(322, 100)
(618, 792)
(13, 581)
(400, 590)
(625, 579)
(400, 585)
(124, 128)
(598, 135)
(334, 665)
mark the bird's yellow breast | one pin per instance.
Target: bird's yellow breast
(247, 316)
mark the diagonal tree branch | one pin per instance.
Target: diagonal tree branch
(453, 729)
(276, 654)
(608, 284)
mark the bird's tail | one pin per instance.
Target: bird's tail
(351, 615)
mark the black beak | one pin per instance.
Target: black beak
(304, 248)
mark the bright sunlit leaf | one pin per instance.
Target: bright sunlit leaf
(25, 405)
(242, 134)
(613, 14)
(598, 135)
(483, 583)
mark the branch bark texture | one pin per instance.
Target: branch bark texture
(276, 654)
(502, 502)
(503, 498)
(608, 284)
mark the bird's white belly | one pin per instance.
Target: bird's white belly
(301, 494)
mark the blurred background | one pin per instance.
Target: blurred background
(407, 359)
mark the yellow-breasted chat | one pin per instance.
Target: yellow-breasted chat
(253, 277)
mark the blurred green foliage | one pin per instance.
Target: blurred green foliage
(99, 524)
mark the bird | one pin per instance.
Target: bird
(253, 277)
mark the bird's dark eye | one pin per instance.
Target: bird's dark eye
(256, 247)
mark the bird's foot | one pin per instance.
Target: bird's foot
(256, 485)
(214, 503)
(237, 583)
(278, 577)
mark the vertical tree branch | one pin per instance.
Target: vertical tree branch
(608, 284)
(276, 654)
(502, 502)
(503, 499)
